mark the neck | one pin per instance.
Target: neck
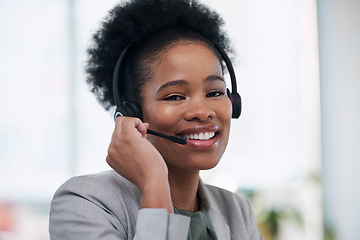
(183, 188)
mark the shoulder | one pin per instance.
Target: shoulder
(100, 204)
(100, 177)
(102, 189)
(107, 180)
(95, 202)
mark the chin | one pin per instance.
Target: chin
(203, 164)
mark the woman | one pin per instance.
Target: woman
(168, 77)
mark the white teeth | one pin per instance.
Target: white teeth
(201, 136)
(206, 135)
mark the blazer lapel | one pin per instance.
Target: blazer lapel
(217, 220)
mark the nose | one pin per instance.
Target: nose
(199, 108)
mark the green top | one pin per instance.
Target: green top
(200, 225)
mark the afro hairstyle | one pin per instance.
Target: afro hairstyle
(131, 19)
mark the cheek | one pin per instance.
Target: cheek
(161, 117)
(225, 112)
(224, 115)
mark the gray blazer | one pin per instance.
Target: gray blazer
(106, 206)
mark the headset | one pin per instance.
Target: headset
(127, 108)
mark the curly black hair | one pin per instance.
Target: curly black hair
(155, 24)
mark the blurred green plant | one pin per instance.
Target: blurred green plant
(329, 233)
(269, 219)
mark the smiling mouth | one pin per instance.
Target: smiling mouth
(199, 136)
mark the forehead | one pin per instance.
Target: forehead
(185, 44)
(187, 59)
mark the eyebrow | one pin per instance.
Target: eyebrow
(214, 78)
(179, 82)
(182, 82)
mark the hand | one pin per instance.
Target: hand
(132, 156)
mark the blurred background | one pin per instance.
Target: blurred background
(295, 151)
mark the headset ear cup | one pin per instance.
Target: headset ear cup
(236, 104)
(133, 109)
(119, 112)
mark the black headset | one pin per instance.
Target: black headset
(132, 109)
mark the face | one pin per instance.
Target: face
(187, 97)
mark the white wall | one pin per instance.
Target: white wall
(51, 126)
(339, 44)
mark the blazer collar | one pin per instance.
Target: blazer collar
(221, 228)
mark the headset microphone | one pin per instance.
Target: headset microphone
(174, 139)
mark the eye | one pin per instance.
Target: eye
(215, 93)
(174, 98)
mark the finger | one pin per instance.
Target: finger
(142, 128)
(130, 127)
(118, 125)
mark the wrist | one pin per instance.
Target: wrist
(156, 194)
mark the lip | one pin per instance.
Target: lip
(201, 144)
